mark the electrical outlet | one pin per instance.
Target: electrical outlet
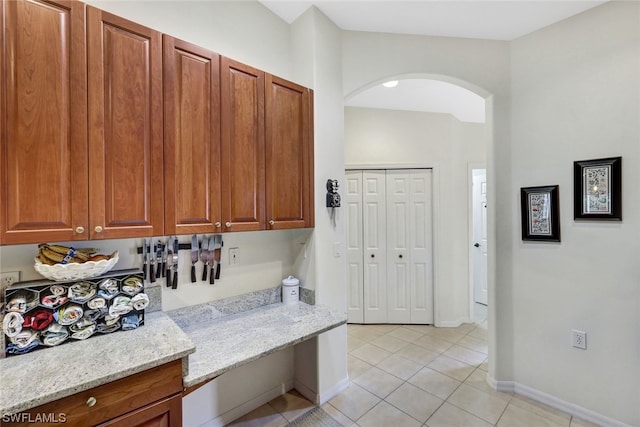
(234, 256)
(579, 339)
(9, 278)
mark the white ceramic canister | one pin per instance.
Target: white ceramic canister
(290, 290)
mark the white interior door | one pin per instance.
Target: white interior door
(374, 243)
(420, 245)
(398, 254)
(389, 246)
(480, 236)
(355, 251)
(409, 254)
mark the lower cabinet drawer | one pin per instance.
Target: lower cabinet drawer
(165, 413)
(111, 400)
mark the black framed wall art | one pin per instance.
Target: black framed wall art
(540, 217)
(597, 191)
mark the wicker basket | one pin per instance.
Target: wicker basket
(76, 271)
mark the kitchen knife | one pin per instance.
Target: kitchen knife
(174, 284)
(194, 257)
(152, 263)
(217, 254)
(212, 247)
(144, 259)
(164, 258)
(169, 264)
(159, 260)
(204, 257)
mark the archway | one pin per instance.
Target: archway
(441, 297)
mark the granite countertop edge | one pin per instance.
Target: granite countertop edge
(189, 382)
(91, 377)
(199, 374)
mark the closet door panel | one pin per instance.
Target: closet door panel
(421, 256)
(398, 237)
(355, 254)
(375, 266)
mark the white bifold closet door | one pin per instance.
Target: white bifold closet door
(389, 255)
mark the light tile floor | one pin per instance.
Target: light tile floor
(417, 375)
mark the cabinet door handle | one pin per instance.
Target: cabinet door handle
(271, 222)
(217, 224)
(79, 230)
(228, 224)
(98, 229)
(91, 401)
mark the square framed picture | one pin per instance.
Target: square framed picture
(597, 192)
(540, 217)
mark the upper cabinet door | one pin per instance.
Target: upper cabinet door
(191, 138)
(125, 127)
(243, 147)
(289, 154)
(43, 172)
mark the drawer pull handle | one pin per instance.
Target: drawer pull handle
(98, 229)
(91, 401)
(228, 224)
(217, 224)
(271, 222)
(79, 230)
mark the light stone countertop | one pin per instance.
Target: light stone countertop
(226, 342)
(32, 379)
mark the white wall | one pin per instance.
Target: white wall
(576, 96)
(317, 61)
(387, 137)
(483, 67)
(248, 32)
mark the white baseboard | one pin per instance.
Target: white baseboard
(311, 395)
(322, 398)
(452, 323)
(338, 388)
(554, 402)
(246, 407)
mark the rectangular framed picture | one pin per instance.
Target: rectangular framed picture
(540, 218)
(597, 189)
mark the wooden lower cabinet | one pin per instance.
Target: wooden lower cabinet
(165, 413)
(149, 398)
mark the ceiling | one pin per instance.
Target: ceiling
(479, 19)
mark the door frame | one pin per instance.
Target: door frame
(470, 167)
(435, 221)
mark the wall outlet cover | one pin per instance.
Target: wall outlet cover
(579, 339)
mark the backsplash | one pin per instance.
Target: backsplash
(265, 258)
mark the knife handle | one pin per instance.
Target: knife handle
(164, 269)
(168, 277)
(144, 271)
(193, 273)
(159, 271)
(218, 270)
(204, 273)
(212, 275)
(152, 274)
(174, 285)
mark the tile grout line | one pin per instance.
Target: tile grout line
(440, 353)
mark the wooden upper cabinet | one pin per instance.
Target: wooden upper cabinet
(191, 138)
(289, 154)
(243, 147)
(43, 172)
(125, 127)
